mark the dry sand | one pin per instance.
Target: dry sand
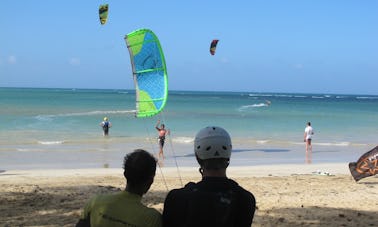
(287, 195)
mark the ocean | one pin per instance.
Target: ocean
(59, 128)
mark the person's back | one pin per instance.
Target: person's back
(125, 208)
(120, 209)
(106, 124)
(216, 200)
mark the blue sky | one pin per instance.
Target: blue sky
(304, 46)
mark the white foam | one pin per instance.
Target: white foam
(26, 149)
(282, 95)
(252, 106)
(262, 95)
(262, 141)
(343, 144)
(43, 118)
(50, 142)
(336, 144)
(366, 97)
(184, 140)
(90, 113)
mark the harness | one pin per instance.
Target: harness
(106, 125)
(212, 208)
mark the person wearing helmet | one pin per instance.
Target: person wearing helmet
(216, 200)
(106, 124)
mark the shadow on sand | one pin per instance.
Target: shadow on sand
(61, 206)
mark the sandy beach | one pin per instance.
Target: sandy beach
(287, 195)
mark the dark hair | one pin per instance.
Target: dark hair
(139, 166)
(214, 163)
(308, 123)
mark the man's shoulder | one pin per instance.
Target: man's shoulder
(246, 194)
(193, 187)
(187, 188)
(100, 198)
(152, 212)
(236, 186)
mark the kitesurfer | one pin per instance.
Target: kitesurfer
(307, 139)
(216, 200)
(106, 124)
(161, 139)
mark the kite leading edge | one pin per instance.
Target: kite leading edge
(149, 72)
(103, 13)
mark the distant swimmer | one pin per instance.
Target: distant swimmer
(309, 131)
(106, 124)
(161, 139)
(268, 102)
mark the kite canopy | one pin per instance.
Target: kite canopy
(213, 46)
(366, 165)
(103, 13)
(149, 72)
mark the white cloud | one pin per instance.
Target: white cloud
(12, 59)
(298, 66)
(224, 60)
(74, 61)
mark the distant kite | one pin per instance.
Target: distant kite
(103, 13)
(213, 46)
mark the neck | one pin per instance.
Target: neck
(214, 173)
(134, 190)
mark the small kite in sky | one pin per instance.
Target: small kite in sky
(103, 13)
(213, 46)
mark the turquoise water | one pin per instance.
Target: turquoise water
(60, 127)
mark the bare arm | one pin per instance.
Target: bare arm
(304, 136)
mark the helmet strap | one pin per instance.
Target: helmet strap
(200, 170)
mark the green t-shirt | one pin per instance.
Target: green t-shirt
(120, 209)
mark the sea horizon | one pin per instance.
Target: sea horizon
(193, 90)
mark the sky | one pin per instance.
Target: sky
(294, 46)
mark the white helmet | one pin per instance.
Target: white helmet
(212, 142)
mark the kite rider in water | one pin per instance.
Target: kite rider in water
(161, 139)
(106, 124)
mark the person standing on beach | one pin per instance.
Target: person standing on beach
(161, 139)
(307, 139)
(216, 200)
(106, 124)
(125, 208)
